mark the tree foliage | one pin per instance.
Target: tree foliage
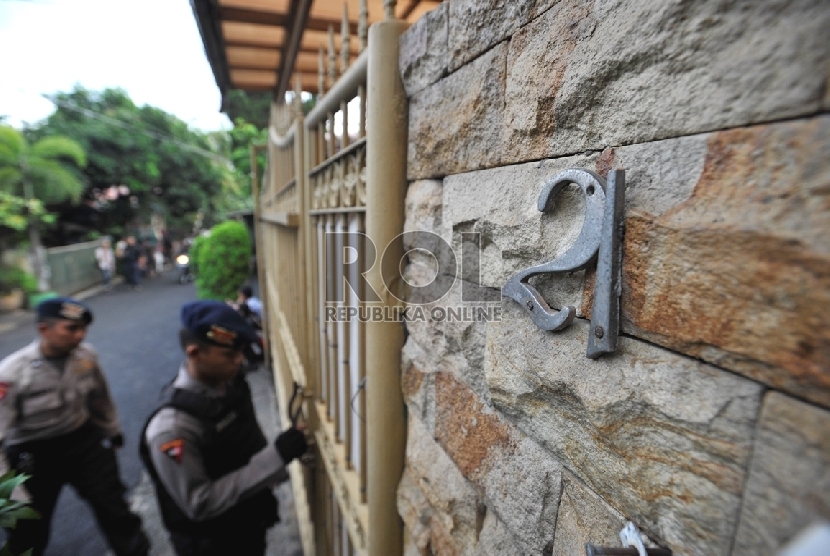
(142, 160)
(15, 212)
(253, 107)
(223, 261)
(243, 136)
(12, 277)
(42, 171)
(195, 248)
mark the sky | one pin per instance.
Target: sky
(150, 48)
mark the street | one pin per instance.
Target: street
(136, 335)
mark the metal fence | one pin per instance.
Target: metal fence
(73, 268)
(326, 190)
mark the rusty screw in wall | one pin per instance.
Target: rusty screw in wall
(599, 332)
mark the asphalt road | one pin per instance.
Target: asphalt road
(136, 335)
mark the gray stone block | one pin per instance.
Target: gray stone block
(789, 479)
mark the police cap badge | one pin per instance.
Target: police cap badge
(63, 308)
(216, 323)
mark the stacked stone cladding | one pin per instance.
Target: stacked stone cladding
(709, 428)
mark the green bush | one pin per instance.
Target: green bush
(198, 242)
(222, 261)
(12, 278)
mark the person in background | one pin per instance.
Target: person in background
(145, 259)
(105, 258)
(211, 465)
(248, 305)
(132, 256)
(246, 296)
(59, 425)
(158, 258)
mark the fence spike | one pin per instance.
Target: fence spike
(344, 41)
(298, 89)
(389, 8)
(332, 57)
(321, 75)
(363, 25)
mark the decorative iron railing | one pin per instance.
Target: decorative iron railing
(329, 190)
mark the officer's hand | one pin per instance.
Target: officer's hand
(291, 444)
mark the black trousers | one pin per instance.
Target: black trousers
(79, 459)
(242, 541)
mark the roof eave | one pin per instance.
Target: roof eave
(206, 13)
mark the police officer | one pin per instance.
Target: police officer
(59, 425)
(212, 467)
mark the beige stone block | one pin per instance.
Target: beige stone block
(416, 514)
(451, 337)
(439, 507)
(826, 103)
(517, 481)
(495, 538)
(477, 25)
(455, 124)
(514, 476)
(590, 75)
(789, 479)
(423, 207)
(726, 255)
(424, 56)
(663, 438)
(584, 517)
(500, 205)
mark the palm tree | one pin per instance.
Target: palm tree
(39, 172)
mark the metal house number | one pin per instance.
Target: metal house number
(601, 233)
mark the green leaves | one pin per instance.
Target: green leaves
(33, 175)
(4, 551)
(12, 144)
(39, 171)
(222, 260)
(13, 510)
(168, 167)
(16, 212)
(12, 277)
(59, 147)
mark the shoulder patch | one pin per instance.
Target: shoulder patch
(4, 389)
(174, 449)
(85, 365)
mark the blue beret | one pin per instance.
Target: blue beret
(217, 323)
(63, 308)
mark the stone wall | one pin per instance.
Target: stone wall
(708, 428)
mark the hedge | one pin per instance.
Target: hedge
(222, 261)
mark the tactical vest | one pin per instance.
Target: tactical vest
(232, 438)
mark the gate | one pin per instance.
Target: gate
(325, 195)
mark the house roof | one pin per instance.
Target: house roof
(261, 45)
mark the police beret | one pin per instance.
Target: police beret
(217, 323)
(63, 308)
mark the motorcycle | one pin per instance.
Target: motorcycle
(183, 266)
(254, 352)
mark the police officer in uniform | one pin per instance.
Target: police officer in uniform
(211, 464)
(58, 424)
